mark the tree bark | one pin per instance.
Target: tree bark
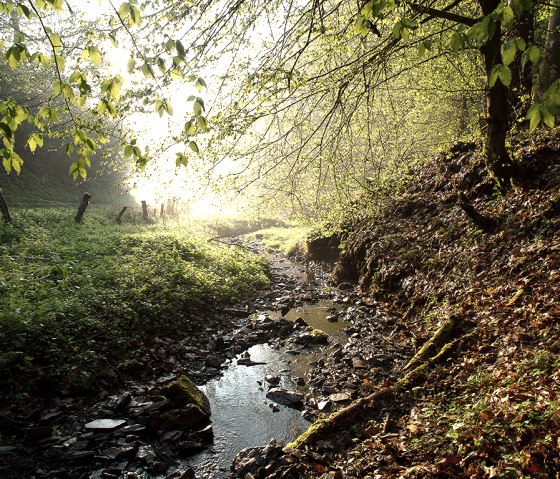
(549, 69)
(498, 161)
(82, 208)
(521, 87)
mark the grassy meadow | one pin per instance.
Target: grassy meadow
(78, 299)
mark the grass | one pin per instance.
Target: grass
(77, 299)
(288, 240)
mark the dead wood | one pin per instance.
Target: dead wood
(436, 350)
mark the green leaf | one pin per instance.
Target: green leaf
(168, 108)
(124, 10)
(507, 16)
(193, 146)
(56, 43)
(534, 116)
(509, 50)
(457, 41)
(95, 55)
(6, 130)
(190, 128)
(131, 64)
(159, 107)
(180, 49)
(531, 54)
(501, 72)
(147, 70)
(202, 124)
(547, 117)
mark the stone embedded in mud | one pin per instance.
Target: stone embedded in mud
(286, 398)
(105, 425)
(359, 363)
(183, 392)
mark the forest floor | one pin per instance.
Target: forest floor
(479, 309)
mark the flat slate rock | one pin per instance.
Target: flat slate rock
(105, 425)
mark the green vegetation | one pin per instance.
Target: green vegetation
(288, 240)
(75, 300)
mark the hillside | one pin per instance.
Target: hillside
(478, 310)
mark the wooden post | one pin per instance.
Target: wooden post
(4, 209)
(144, 210)
(82, 208)
(121, 213)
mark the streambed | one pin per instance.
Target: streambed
(242, 416)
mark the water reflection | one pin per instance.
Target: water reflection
(241, 415)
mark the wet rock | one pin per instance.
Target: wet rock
(157, 406)
(205, 436)
(183, 392)
(333, 318)
(119, 403)
(52, 418)
(105, 425)
(146, 454)
(300, 322)
(172, 436)
(286, 398)
(270, 379)
(188, 474)
(250, 460)
(79, 457)
(133, 429)
(188, 448)
(5, 450)
(190, 417)
(214, 361)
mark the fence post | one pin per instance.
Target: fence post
(82, 208)
(4, 208)
(121, 213)
(144, 210)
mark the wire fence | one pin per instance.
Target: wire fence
(164, 212)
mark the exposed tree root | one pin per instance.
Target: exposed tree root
(436, 350)
(431, 347)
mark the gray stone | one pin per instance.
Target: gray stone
(286, 398)
(340, 397)
(214, 361)
(105, 425)
(250, 460)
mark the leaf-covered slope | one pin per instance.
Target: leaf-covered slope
(492, 409)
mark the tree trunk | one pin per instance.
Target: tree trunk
(549, 69)
(500, 165)
(521, 87)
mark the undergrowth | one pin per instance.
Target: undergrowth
(78, 299)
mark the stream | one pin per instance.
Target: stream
(242, 416)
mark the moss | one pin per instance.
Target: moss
(318, 427)
(183, 392)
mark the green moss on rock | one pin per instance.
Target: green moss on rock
(183, 392)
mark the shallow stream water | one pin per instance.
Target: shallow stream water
(241, 415)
